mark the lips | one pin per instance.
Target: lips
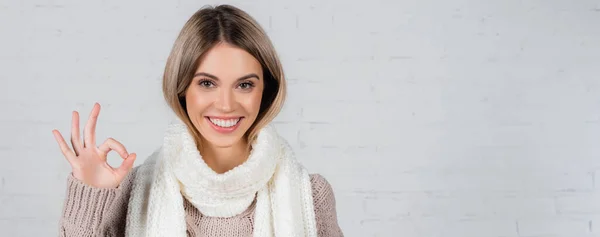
(224, 125)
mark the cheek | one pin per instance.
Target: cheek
(252, 103)
(196, 101)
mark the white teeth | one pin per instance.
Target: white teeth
(226, 123)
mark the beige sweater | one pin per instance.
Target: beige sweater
(90, 211)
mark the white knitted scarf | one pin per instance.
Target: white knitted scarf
(271, 174)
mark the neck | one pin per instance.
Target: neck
(223, 159)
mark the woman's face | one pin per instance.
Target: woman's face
(223, 99)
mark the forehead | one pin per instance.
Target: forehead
(229, 62)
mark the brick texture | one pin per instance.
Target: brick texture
(429, 118)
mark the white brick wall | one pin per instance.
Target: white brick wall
(430, 118)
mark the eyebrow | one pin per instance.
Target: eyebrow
(251, 75)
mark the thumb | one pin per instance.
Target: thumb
(126, 165)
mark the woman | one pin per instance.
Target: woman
(222, 169)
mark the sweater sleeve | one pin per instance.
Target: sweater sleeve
(325, 207)
(93, 212)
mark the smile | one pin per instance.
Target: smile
(224, 125)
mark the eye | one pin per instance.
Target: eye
(246, 85)
(206, 83)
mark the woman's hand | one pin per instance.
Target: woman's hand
(88, 162)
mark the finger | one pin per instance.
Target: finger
(112, 144)
(63, 146)
(126, 165)
(75, 141)
(89, 133)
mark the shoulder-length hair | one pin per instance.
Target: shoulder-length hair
(206, 28)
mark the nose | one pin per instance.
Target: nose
(224, 101)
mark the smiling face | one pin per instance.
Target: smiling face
(224, 97)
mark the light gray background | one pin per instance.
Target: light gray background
(429, 118)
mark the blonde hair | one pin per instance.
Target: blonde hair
(206, 28)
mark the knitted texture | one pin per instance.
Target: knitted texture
(109, 208)
(271, 174)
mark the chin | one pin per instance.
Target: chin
(221, 141)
